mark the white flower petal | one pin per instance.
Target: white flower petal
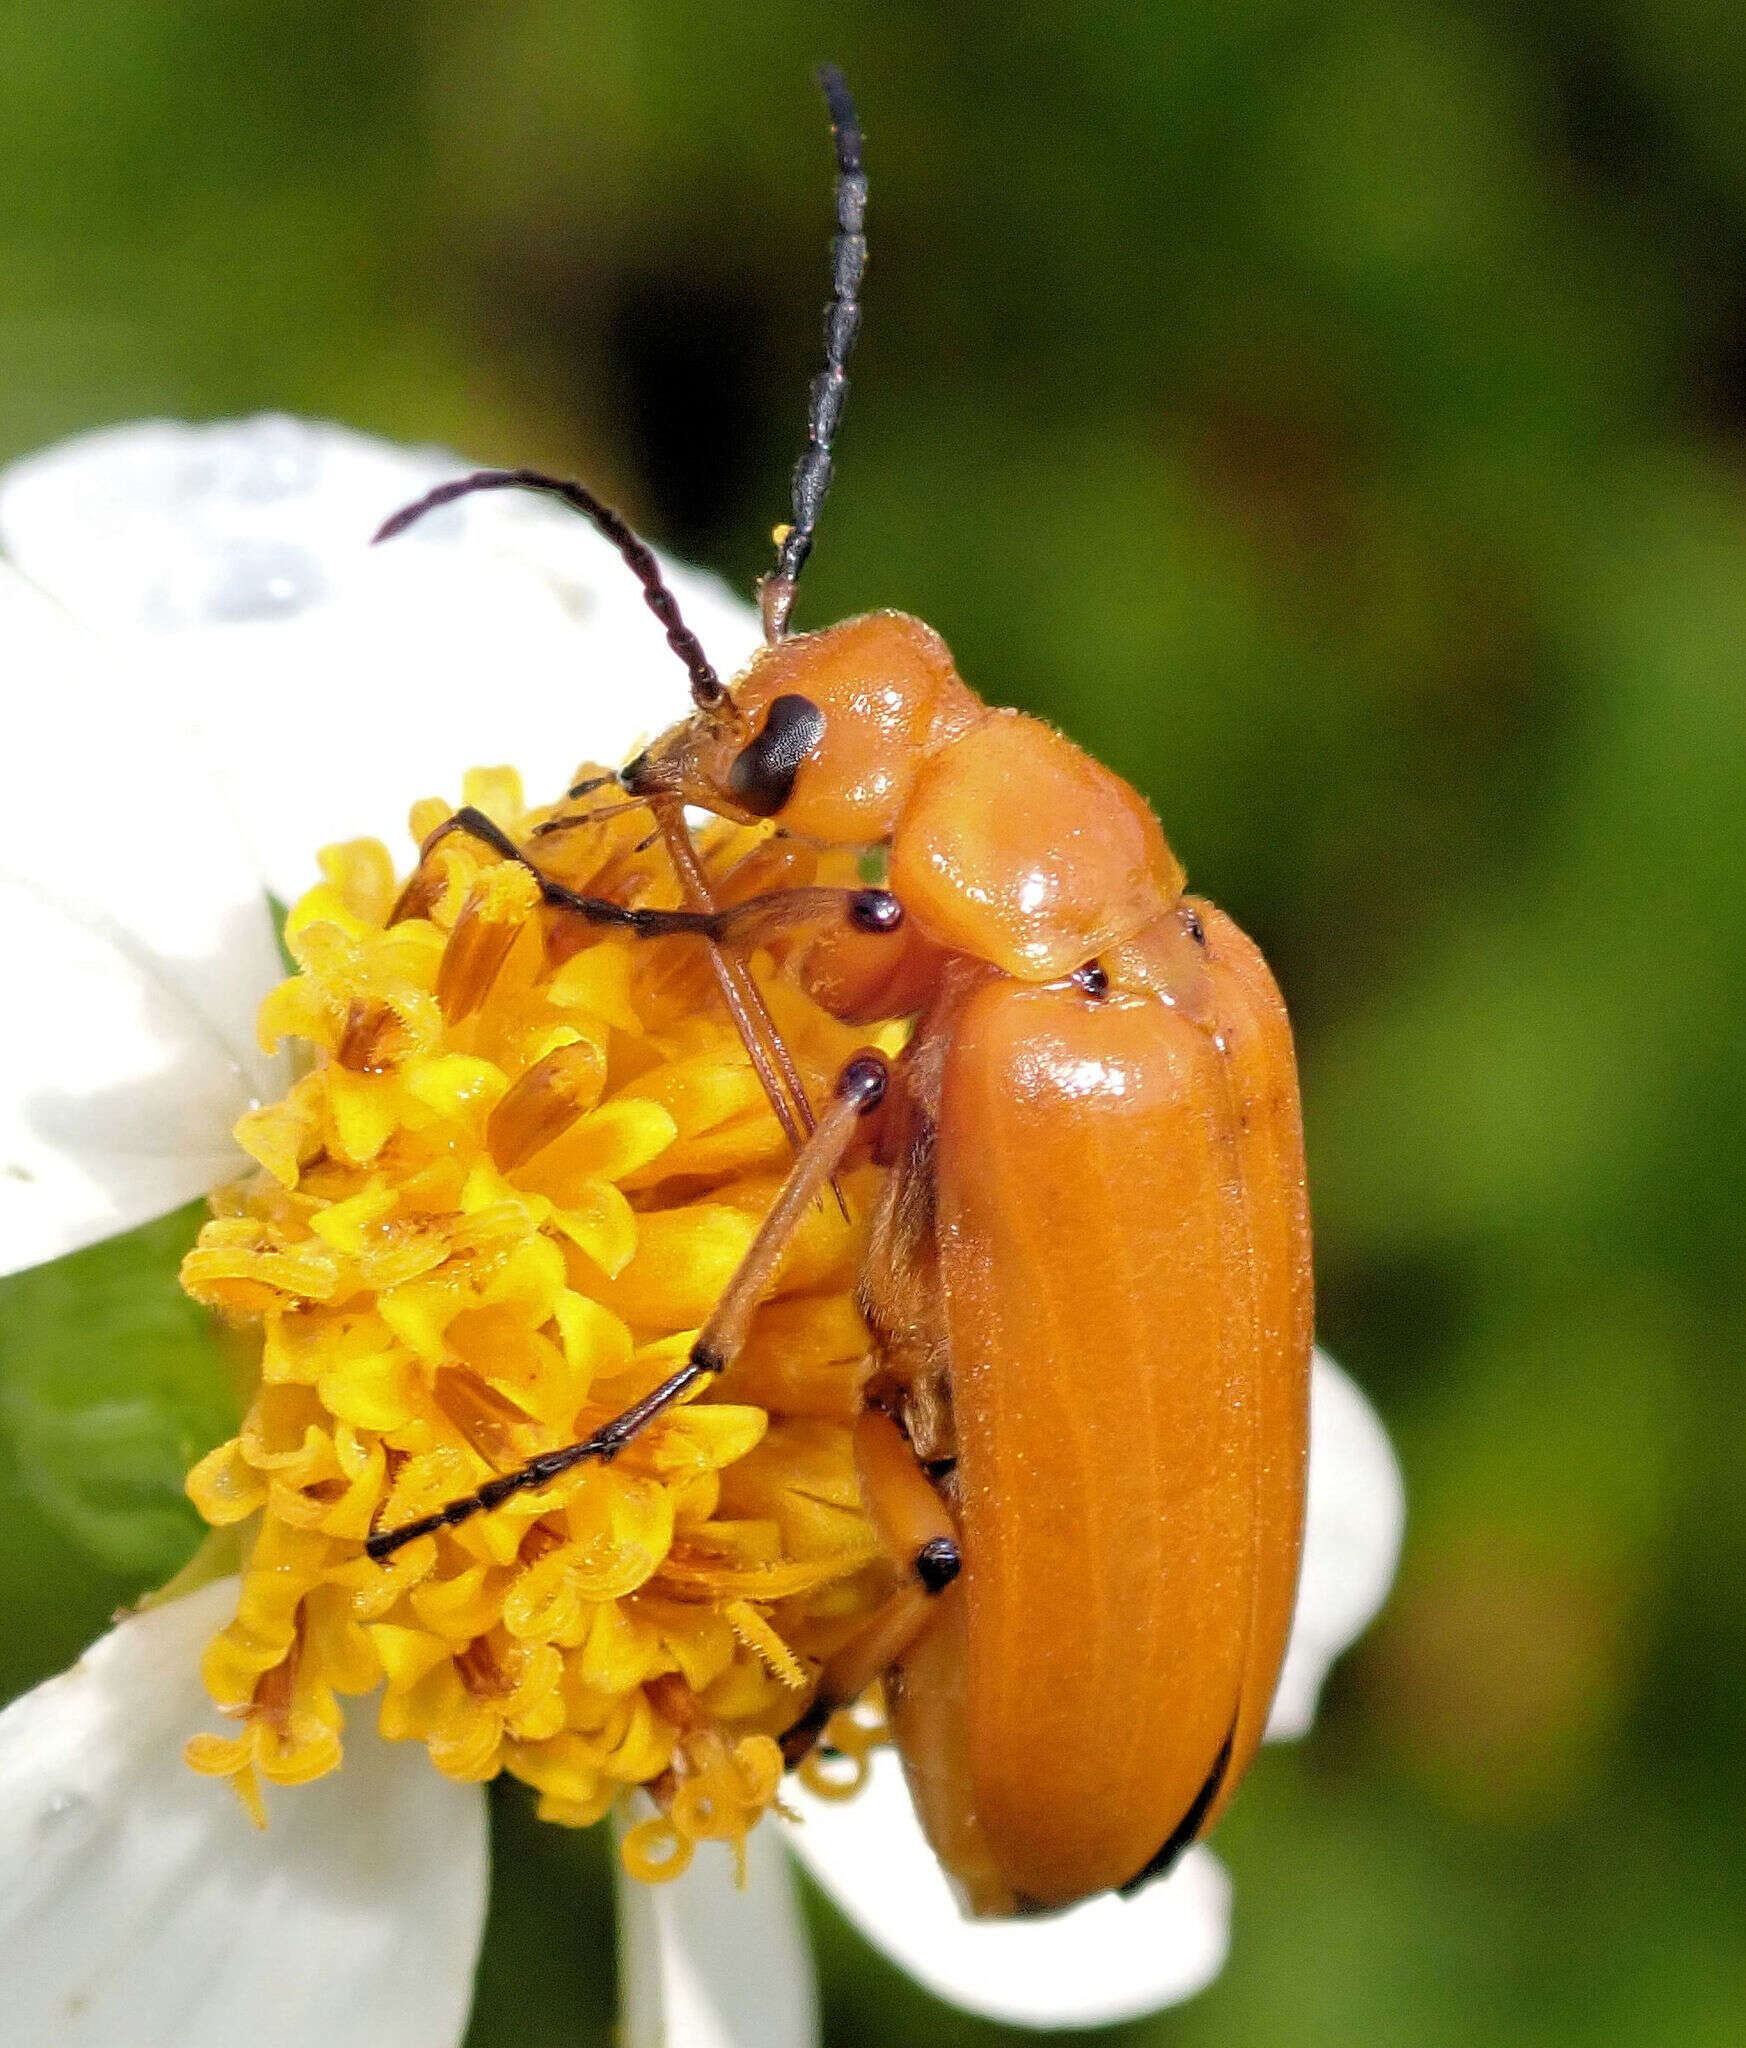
(1352, 1536)
(703, 1964)
(1108, 1959)
(140, 1909)
(137, 944)
(334, 683)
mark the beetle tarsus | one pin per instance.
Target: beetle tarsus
(798, 1742)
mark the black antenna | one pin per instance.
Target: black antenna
(707, 692)
(842, 320)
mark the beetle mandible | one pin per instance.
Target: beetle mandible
(1088, 1277)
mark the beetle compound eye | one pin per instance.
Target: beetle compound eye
(1093, 977)
(762, 776)
(1196, 930)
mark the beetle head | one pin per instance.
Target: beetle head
(825, 732)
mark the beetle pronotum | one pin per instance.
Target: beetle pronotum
(1088, 1279)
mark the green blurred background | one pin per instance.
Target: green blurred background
(1332, 414)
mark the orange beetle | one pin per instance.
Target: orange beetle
(1088, 1276)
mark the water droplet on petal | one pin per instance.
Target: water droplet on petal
(64, 1817)
(266, 458)
(258, 579)
(579, 599)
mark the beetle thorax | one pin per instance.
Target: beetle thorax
(826, 732)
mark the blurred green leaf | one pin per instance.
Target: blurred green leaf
(548, 1973)
(112, 1384)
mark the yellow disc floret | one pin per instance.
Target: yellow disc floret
(522, 1160)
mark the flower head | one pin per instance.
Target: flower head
(524, 1159)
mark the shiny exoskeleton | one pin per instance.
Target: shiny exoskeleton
(1088, 1275)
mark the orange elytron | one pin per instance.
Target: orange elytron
(1088, 1278)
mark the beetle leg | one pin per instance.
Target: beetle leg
(859, 1091)
(729, 933)
(745, 924)
(770, 1058)
(916, 1526)
(601, 910)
